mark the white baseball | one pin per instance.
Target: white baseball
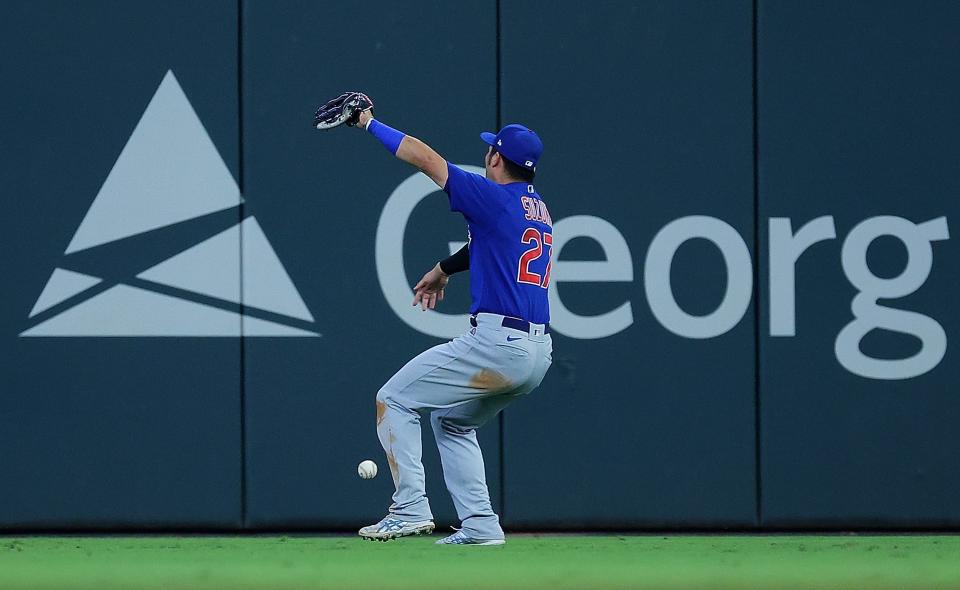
(367, 469)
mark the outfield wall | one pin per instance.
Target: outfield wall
(752, 294)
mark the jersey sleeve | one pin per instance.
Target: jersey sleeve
(473, 195)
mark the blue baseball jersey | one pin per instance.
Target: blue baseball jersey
(511, 242)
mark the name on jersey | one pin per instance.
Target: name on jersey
(536, 210)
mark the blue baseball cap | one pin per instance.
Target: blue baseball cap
(517, 144)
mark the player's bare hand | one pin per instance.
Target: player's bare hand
(429, 290)
(365, 117)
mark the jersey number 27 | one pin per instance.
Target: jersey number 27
(539, 241)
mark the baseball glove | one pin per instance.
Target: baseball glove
(345, 108)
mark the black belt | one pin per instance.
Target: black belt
(515, 323)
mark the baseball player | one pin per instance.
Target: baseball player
(502, 355)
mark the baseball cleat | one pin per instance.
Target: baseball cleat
(459, 538)
(392, 528)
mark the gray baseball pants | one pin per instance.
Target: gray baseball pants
(462, 384)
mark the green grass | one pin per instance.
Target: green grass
(703, 562)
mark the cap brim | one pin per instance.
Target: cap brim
(488, 138)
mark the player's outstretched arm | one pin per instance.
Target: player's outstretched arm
(408, 148)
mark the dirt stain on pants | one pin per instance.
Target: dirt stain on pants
(489, 381)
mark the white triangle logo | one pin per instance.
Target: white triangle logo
(170, 172)
(62, 285)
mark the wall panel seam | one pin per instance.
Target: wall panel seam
(242, 210)
(756, 271)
